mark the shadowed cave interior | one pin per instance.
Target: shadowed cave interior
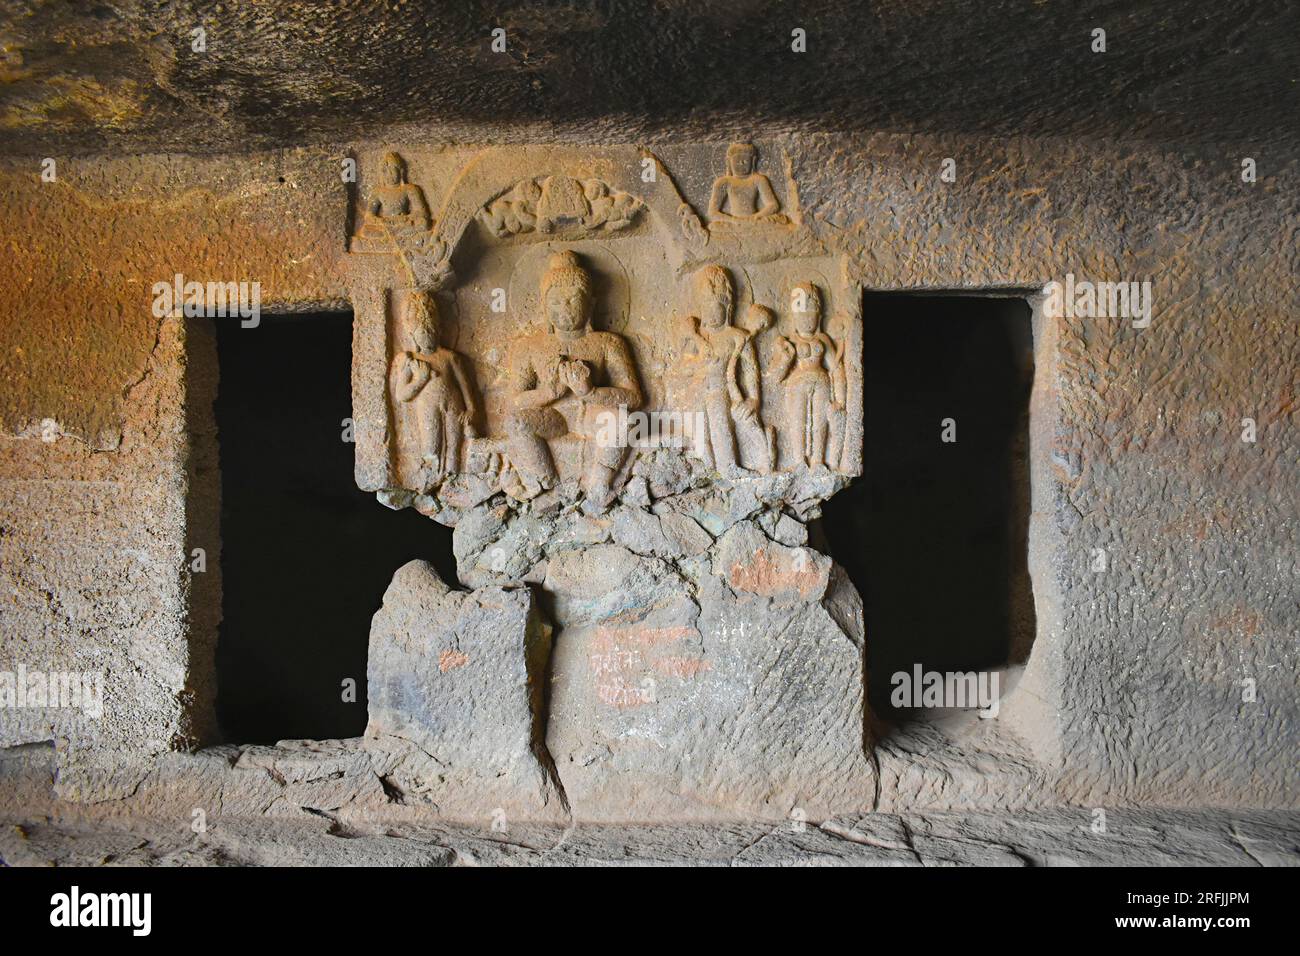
(306, 555)
(935, 534)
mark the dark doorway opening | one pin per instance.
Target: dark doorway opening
(306, 556)
(935, 534)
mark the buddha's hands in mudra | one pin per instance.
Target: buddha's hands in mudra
(576, 374)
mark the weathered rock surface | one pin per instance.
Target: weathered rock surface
(1045, 837)
(725, 689)
(122, 76)
(456, 685)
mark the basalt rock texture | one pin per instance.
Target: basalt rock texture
(456, 682)
(675, 696)
(1047, 837)
(127, 74)
(610, 332)
(761, 648)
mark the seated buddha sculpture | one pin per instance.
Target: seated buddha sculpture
(744, 195)
(567, 380)
(396, 207)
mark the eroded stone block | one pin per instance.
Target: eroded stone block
(456, 684)
(676, 696)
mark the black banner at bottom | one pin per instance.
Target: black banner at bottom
(334, 905)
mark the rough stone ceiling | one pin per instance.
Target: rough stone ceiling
(78, 77)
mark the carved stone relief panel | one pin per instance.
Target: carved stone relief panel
(555, 321)
(633, 408)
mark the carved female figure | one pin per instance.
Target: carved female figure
(811, 367)
(434, 384)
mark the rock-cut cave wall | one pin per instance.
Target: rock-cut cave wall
(1134, 687)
